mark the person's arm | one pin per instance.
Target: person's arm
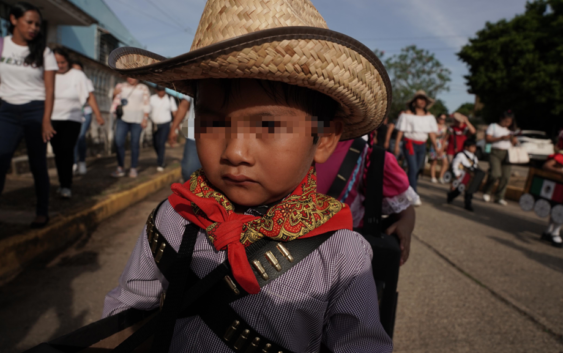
(470, 126)
(458, 159)
(402, 228)
(398, 142)
(117, 90)
(551, 165)
(146, 106)
(390, 128)
(93, 103)
(183, 108)
(432, 136)
(47, 129)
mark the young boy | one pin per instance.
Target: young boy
(257, 139)
(464, 162)
(554, 164)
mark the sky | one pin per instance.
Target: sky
(167, 27)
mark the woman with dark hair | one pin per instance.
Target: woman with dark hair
(71, 92)
(416, 125)
(89, 108)
(27, 84)
(501, 137)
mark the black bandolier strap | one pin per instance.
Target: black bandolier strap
(347, 168)
(269, 260)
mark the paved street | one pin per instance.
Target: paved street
(478, 282)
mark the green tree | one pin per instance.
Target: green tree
(467, 109)
(438, 108)
(518, 65)
(411, 70)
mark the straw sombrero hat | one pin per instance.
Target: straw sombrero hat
(421, 94)
(277, 40)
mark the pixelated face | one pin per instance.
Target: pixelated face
(472, 148)
(62, 62)
(254, 150)
(421, 103)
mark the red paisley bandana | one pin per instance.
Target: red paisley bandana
(304, 214)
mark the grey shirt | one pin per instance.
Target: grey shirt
(328, 297)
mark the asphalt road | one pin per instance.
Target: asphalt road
(478, 282)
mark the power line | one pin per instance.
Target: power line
(148, 15)
(407, 38)
(168, 15)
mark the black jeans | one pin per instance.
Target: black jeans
(16, 122)
(159, 142)
(63, 146)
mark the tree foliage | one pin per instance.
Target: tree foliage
(467, 109)
(411, 70)
(438, 108)
(518, 65)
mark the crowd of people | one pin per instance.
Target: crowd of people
(47, 98)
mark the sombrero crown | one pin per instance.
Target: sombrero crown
(277, 40)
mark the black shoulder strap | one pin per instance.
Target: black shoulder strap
(347, 167)
(374, 193)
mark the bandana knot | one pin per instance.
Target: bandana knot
(302, 214)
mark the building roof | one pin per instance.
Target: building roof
(107, 20)
(61, 12)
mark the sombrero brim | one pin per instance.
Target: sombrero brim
(428, 99)
(324, 60)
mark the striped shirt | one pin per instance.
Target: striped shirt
(328, 297)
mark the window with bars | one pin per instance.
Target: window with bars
(106, 43)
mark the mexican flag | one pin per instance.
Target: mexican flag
(547, 189)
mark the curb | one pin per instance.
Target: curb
(18, 251)
(512, 193)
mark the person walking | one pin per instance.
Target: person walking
(89, 108)
(27, 84)
(72, 91)
(132, 114)
(190, 160)
(501, 137)
(439, 155)
(162, 109)
(458, 133)
(416, 125)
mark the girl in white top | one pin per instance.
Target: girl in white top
(501, 137)
(27, 83)
(416, 125)
(162, 108)
(134, 97)
(72, 91)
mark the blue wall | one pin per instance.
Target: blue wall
(81, 39)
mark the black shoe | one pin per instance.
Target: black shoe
(469, 208)
(37, 225)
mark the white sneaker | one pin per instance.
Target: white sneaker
(74, 168)
(502, 202)
(133, 173)
(159, 169)
(486, 197)
(441, 181)
(118, 173)
(434, 180)
(82, 168)
(66, 193)
(417, 202)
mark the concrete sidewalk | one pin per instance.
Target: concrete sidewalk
(96, 196)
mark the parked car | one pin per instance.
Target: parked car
(536, 143)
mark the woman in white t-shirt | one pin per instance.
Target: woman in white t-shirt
(416, 125)
(90, 108)
(134, 98)
(501, 137)
(162, 108)
(186, 117)
(72, 91)
(27, 84)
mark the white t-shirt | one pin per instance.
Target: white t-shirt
(190, 119)
(21, 83)
(161, 108)
(71, 93)
(495, 130)
(464, 160)
(416, 127)
(138, 102)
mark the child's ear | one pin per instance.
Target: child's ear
(327, 142)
